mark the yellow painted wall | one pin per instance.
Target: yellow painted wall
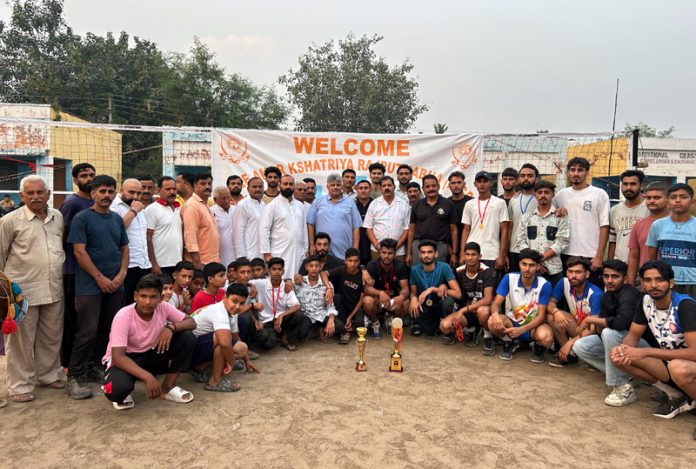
(598, 155)
(99, 147)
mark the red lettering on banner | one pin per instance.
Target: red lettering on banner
(303, 144)
(332, 165)
(280, 167)
(363, 165)
(291, 168)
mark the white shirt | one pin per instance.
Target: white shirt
(519, 205)
(214, 318)
(245, 236)
(388, 220)
(167, 234)
(224, 226)
(493, 211)
(137, 235)
(588, 210)
(273, 299)
(283, 232)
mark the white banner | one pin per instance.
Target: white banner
(247, 153)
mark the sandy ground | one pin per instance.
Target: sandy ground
(452, 407)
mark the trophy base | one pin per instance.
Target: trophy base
(396, 366)
(360, 366)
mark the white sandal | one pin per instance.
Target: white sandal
(127, 403)
(177, 395)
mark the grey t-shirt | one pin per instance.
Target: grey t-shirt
(621, 220)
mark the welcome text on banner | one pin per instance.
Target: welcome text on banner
(247, 153)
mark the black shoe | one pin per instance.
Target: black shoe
(509, 348)
(96, 374)
(538, 353)
(416, 330)
(659, 396)
(673, 407)
(449, 339)
(558, 363)
(694, 433)
(488, 346)
(471, 339)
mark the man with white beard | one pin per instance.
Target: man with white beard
(223, 211)
(282, 230)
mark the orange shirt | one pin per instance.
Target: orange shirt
(200, 231)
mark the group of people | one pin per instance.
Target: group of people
(160, 277)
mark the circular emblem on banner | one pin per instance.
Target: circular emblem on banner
(463, 155)
(233, 149)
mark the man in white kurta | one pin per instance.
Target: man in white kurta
(245, 236)
(223, 212)
(282, 230)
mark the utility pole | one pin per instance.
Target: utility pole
(110, 108)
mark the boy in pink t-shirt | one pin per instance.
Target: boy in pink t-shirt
(148, 338)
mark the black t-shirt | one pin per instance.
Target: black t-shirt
(619, 308)
(459, 211)
(472, 288)
(350, 287)
(433, 222)
(388, 280)
(331, 262)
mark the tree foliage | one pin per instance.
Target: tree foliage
(346, 87)
(646, 131)
(124, 80)
(440, 128)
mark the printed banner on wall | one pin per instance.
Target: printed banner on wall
(247, 153)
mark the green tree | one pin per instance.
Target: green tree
(440, 128)
(344, 86)
(124, 80)
(647, 131)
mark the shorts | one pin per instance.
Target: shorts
(526, 337)
(203, 352)
(471, 319)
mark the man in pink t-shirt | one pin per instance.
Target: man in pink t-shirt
(656, 200)
(148, 338)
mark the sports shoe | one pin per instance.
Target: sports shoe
(558, 363)
(621, 396)
(488, 346)
(77, 387)
(509, 347)
(538, 353)
(673, 407)
(344, 339)
(416, 330)
(96, 374)
(659, 396)
(449, 339)
(376, 333)
(471, 338)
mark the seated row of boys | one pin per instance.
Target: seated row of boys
(621, 332)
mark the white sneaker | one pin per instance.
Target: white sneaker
(621, 396)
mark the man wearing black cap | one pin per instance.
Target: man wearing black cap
(485, 220)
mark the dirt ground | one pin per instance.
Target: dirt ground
(452, 407)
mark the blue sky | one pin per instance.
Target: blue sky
(491, 66)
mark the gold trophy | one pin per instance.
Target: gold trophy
(397, 337)
(362, 341)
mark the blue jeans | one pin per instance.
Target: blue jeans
(596, 351)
